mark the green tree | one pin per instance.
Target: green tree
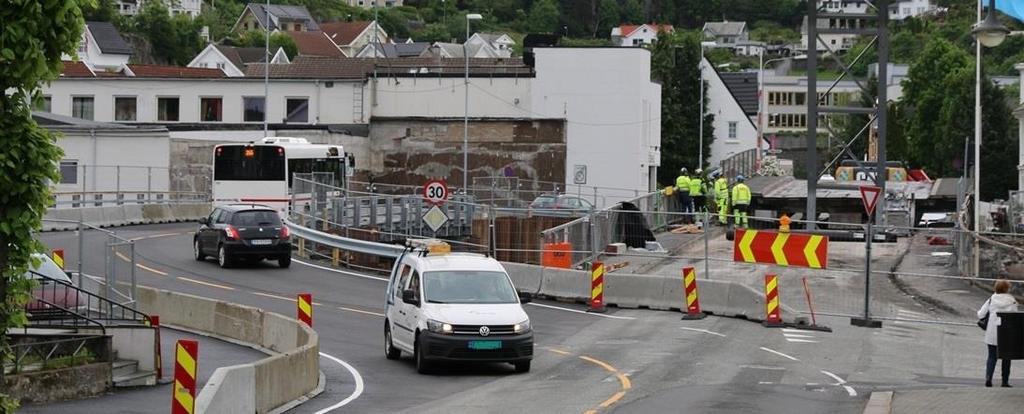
(543, 16)
(609, 16)
(674, 63)
(34, 36)
(175, 40)
(773, 33)
(255, 38)
(632, 12)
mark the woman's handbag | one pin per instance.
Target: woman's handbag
(983, 322)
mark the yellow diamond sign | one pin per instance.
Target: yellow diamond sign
(435, 218)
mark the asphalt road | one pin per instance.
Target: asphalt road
(627, 361)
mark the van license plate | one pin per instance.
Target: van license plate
(484, 345)
(260, 242)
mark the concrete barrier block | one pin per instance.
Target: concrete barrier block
(133, 214)
(156, 213)
(285, 377)
(280, 334)
(93, 215)
(230, 390)
(566, 284)
(113, 216)
(66, 214)
(237, 322)
(180, 309)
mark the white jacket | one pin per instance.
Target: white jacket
(999, 302)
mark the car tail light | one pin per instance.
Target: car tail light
(285, 233)
(231, 233)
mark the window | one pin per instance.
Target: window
(297, 110)
(69, 172)
(44, 105)
(245, 26)
(253, 109)
(220, 65)
(210, 109)
(81, 107)
(732, 130)
(222, 217)
(124, 108)
(906, 11)
(167, 109)
(256, 218)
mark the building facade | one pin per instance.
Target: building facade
(638, 35)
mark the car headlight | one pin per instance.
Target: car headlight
(521, 327)
(439, 327)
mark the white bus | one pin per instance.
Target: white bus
(261, 173)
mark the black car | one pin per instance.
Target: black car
(246, 231)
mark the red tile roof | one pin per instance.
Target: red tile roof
(315, 44)
(76, 70)
(628, 29)
(343, 33)
(158, 71)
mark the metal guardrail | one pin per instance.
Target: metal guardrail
(359, 246)
(86, 304)
(110, 261)
(78, 199)
(35, 355)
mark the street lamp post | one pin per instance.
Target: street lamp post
(465, 124)
(700, 112)
(988, 33)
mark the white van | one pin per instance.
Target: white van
(444, 306)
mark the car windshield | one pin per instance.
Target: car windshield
(543, 202)
(256, 218)
(47, 268)
(466, 286)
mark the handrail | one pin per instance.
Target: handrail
(93, 302)
(48, 350)
(75, 316)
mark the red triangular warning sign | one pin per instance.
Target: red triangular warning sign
(869, 195)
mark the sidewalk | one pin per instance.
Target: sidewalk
(958, 400)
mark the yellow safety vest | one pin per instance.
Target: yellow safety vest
(683, 183)
(721, 188)
(740, 194)
(695, 186)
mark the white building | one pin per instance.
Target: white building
(726, 34)
(785, 100)
(102, 47)
(351, 37)
(233, 60)
(367, 4)
(638, 35)
(735, 131)
(902, 9)
(836, 42)
(501, 43)
(174, 7)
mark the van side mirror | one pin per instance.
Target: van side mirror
(204, 221)
(525, 297)
(408, 296)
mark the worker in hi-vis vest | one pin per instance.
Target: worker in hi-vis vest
(722, 198)
(697, 192)
(683, 194)
(740, 201)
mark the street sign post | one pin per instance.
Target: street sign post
(869, 195)
(435, 192)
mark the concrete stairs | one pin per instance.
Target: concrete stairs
(126, 373)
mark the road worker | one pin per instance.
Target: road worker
(697, 191)
(740, 201)
(683, 194)
(722, 198)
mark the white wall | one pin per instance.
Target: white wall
(445, 97)
(910, 8)
(96, 58)
(333, 105)
(645, 35)
(144, 157)
(613, 113)
(210, 58)
(726, 110)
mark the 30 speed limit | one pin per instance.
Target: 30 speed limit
(435, 191)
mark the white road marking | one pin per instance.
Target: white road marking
(765, 382)
(579, 311)
(702, 330)
(793, 330)
(200, 282)
(361, 311)
(150, 269)
(778, 353)
(806, 341)
(799, 336)
(355, 393)
(268, 295)
(792, 335)
(842, 383)
(344, 272)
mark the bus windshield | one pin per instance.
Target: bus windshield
(249, 163)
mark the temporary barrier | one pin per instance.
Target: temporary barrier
(784, 249)
(186, 366)
(557, 255)
(692, 300)
(597, 287)
(58, 258)
(305, 308)
(773, 315)
(154, 321)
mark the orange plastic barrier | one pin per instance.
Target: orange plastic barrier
(557, 255)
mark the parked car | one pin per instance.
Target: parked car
(560, 205)
(243, 231)
(54, 286)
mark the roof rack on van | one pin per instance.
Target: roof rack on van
(429, 246)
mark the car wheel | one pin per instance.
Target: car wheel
(198, 251)
(522, 367)
(389, 348)
(284, 261)
(222, 258)
(422, 366)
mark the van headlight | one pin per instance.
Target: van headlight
(521, 327)
(439, 327)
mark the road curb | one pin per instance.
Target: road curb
(879, 403)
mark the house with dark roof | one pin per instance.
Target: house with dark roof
(456, 50)
(638, 35)
(283, 18)
(500, 42)
(393, 50)
(732, 97)
(232, 60)
(726, 34)
(351, 37)
(315, 44)
(102, 47)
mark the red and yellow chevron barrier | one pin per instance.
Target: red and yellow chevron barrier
(58, 258)
(186, 367)
(783, 249)
(692, 297)
(597, 287)
(773, 315)
(305, 308)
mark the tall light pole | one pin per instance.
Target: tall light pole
(989, 33)
(700, 112)
(266, 71)
(465, 124)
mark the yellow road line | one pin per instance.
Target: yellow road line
(558, 351)
(150, 269)
(200, 282)
(614, 399)
(623, 380)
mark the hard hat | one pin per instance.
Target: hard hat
(682, 170)
(699, 171)
(740, 178)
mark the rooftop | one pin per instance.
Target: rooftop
(80, 70)
(281, 13)
(344, 33)
(108, 38)
(315, 44)
(743, 86)
(725, 28)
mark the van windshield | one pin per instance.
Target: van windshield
(466, 286)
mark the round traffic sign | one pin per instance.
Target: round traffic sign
(435, 191)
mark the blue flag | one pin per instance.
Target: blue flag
(1012, 8)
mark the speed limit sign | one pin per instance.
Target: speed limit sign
(435, 191)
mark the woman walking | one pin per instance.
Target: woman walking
(1001, 301)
